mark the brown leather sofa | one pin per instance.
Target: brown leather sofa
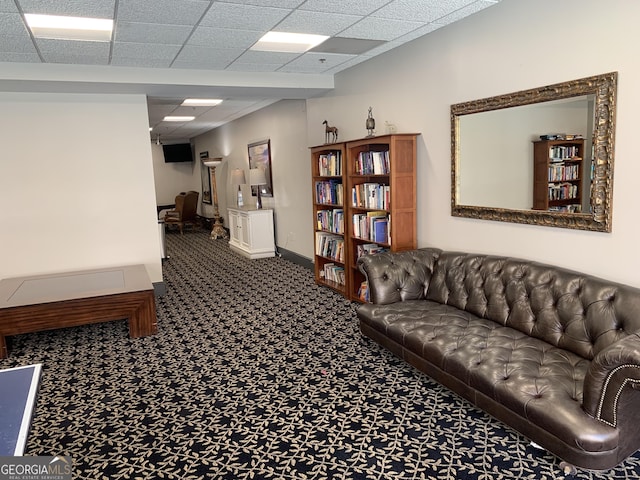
(553, 353)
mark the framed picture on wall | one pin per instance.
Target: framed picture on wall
(205, 176)
(260, 157)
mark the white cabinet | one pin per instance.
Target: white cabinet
(252, 232)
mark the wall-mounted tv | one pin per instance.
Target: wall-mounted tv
(178, 152)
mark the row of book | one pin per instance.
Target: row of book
(575, 208)
(330, 192)
(371, 195)
(330, 164)
(559, 173)
(559, 153)
(563, 191)
(372, 163)
(331, 220)
(330, 246)
(372, 226)
(369, 249)
(333, 273)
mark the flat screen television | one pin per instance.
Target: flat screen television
(178, 152)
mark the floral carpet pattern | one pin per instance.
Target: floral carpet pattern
(257, 373)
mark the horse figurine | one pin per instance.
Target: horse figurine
(330, 133)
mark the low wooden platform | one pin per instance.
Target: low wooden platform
(46, 302)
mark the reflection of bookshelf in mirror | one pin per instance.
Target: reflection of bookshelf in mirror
(558, 175)
(327, 172)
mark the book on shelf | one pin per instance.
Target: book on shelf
(371, 195)
(331, 220)
(333, 273)
(369, 249)
(372, 163)
(330, 164)
(363, 291)
(330, 246)
(329, 192)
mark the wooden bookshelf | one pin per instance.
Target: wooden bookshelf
(558, 175)
(329, 216)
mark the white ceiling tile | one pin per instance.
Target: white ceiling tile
(315, 62)
(8, 6)
(19, 57)
(62, 57)
(151, 33)
(428, 28)
(269, 3)
(464, 12)
(217, 58)
(50, 47)
(319, 23)
(224, 37)
(272, 58)
(12, 24)
(347, 64)
(244, 17)
(141, 62)
(167, 12)
(353, 7)
(77, 8)
(145, 50)
(420, 10)
(380, 29)
(17, 44)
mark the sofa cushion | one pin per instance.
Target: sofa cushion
(573, 311)
(536, 380)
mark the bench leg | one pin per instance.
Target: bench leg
(4, 351)
(143, 321)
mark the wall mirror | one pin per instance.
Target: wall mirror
(505, 160)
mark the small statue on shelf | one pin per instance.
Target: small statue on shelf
(371, 123)
(330, 133)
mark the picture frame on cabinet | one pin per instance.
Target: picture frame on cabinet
(205, 176)
(260, 157)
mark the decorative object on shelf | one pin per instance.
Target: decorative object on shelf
(370, 123)
(237, 178)
(206, 179)
(330, 133)
(257, 178)
(218, 230)
(260, 157)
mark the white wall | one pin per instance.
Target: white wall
(508, 47)
(284, 123)
(76, 184)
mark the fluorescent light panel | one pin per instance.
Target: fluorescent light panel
(288, 42)
(70, 28)
(178, 118)
(201, 102)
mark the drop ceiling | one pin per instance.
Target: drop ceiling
(174, 49)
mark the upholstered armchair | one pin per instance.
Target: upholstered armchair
(184, 212)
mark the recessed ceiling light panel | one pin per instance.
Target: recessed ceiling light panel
(201, 102)
(288, 42)
(70, 28)
(178, 118)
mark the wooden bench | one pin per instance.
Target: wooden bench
(46, 302)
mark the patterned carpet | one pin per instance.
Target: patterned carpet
(257, 373)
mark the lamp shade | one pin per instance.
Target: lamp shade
(237, 177)
(257, 176)
(212, 162)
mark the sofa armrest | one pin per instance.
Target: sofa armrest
(397, 276)
(614, 369)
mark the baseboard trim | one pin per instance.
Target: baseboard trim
(295, 258)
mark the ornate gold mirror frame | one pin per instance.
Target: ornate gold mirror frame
(603, 87)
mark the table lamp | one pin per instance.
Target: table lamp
(256, 179)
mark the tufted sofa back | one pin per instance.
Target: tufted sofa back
(574, 311)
